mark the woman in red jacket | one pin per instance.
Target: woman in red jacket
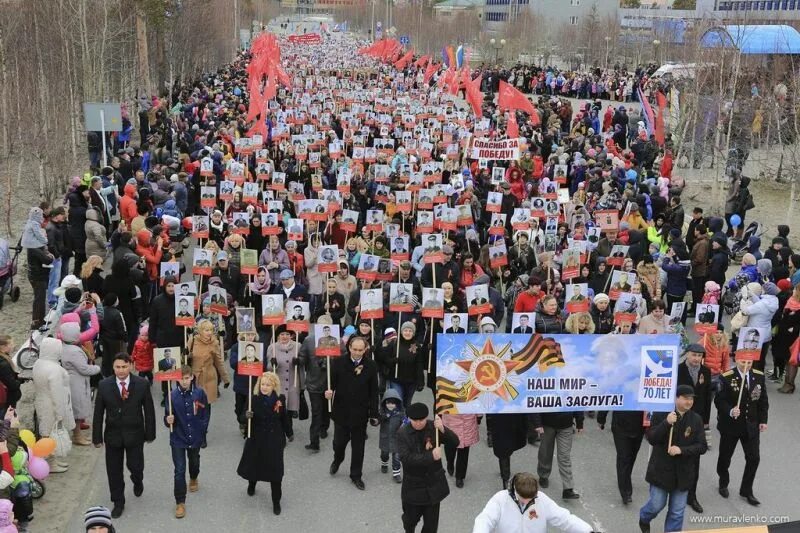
(470, 271)
(151, 252)
(127, 204)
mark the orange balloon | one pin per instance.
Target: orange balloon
(44, 447)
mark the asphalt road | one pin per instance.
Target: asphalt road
(315, 501)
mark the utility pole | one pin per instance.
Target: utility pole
(372, 23)
(236, 25)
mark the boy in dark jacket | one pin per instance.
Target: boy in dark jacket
(391, 413)
(187, 416)
(677, 438)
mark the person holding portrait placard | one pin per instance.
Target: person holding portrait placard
(262, 456)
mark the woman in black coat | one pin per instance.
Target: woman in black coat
(262, 457)
(509, 434)
(8, 376)
(78, 205)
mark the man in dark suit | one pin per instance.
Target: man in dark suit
(524, 326)
(741, 421)
(354, 379)
(124, 401)
(455, 325)
(693, 372)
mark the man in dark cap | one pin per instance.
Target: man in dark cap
(424, 482)
(694, 373)
(677, 437)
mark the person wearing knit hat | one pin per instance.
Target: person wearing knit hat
(98, 520)
(601, 297)
(402, 358)
(424, 480)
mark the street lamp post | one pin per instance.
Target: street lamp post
(497, 45)
(656, 44)
(608, 40)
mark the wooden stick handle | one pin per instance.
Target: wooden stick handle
(169, 400)
(249, 402)
(430, 349)
(295, 366)
(330, 406)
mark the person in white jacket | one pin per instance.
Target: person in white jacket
(523, 509)
(53, 396)
(762, 307)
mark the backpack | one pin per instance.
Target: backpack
(745, 201)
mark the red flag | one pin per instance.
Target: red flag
(422, 61)
(430, 71)
(256, 104)
(403, 61)
(510, 98)
(452, 82)
(512, 128)
(473, 92)
(661, 101)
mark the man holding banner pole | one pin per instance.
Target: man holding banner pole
(677, 438)
(424, 481)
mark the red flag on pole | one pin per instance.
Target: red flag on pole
(512, 129)
(661, 102)
(422, 61)
(510, 98)
(473, 92)
(403, 61)
(430, 71)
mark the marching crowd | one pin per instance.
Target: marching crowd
(326, 191)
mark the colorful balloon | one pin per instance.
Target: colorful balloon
(27, 436)
(44, 447)
(38, 468)
(736, 221)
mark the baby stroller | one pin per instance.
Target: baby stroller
(738, 247)
(8, 269)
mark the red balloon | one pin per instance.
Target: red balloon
(187, 222)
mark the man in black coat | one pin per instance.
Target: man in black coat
(163, 330)
(741, 420)
(627, 428)
(694, 373)
(508, 433)
(677, 437)
(424, 482)
(354, 379)
(124, 401)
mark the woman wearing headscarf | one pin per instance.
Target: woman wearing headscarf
(255, 291)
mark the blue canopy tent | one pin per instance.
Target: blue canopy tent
(769, 39)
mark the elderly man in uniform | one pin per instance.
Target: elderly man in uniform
(741, 417)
